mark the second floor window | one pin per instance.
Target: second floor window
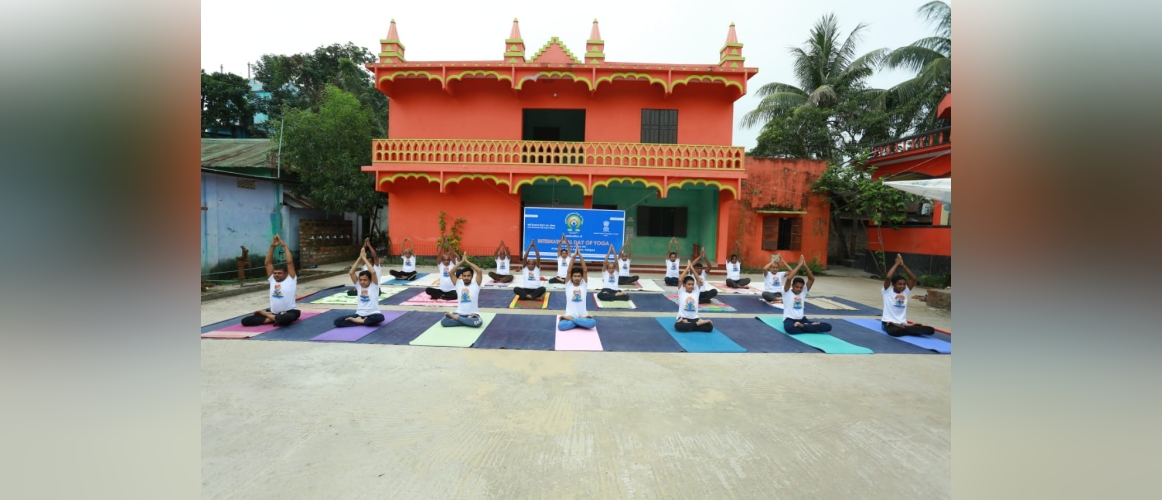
(659, 126)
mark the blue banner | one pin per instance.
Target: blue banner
(593, 230)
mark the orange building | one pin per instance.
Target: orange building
(481, 140)
(926, 248)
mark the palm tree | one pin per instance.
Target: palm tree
(827, 70)
(930, 58)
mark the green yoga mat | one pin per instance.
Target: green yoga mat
(456, 336)
(821, 341)
(353, 300)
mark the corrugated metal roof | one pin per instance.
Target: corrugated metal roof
(234, 153)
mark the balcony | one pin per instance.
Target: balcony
(555, 153)
(908, 146)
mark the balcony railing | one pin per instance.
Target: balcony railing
(601, 154)
(938, 137)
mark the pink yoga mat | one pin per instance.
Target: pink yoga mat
(424, 299)
(577, 339)
(244, 332)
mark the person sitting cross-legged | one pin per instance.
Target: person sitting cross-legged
(623, 259)
(672, 263)
(409, 262)
(468, 295)
(896, 290)
(773, 278)
(367, 289)
(447, 289)
(372, 262)
(688, 320)
(564, 262)
(734, 277)
(707, 292)
(531, 274)
(609, 284)
(795, 300)
(576, 315)
(283, 282)
(503, 272)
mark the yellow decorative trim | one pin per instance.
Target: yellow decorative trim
(651, 79)
(479, 72)
(628, 180)
(459, 178)
(409, 175)
(555, 73)
(392, 76)
(719, 185)
(559, 44)
(712, 78)
(516, 187)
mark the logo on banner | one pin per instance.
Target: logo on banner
(605, 226)
(573, 222)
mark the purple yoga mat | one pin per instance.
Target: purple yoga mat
(353, 333)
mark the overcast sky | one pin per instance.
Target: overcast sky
(681, 32)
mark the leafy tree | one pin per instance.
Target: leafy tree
(931, 59)
(326, 148)
(226, 103)
(854, 194)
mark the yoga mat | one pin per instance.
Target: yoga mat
(416, 281)
(353, 333)
(423, 299)
(829, 304)
(712, 341)
(558, 301)
(746, 290)
(400, 297)
(541, 303)
(857, 309)
(650, 286)
(403, 330)
(654, 302)
(457, 336)
(923, 342)
(341, 298)
(494, 299)
(318, 294)
(715, 305)
(518, 331)
(577, 339)
(635, 334)
(488, 281)
(613, 304)
(304, 329)
(757, 338)
(749, 304)
(237, 331)
(821, 341)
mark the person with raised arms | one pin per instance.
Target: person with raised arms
(895, 292)
(795, 302)
(672, 263)
(467, 293)
(706, 291)
(623, 258)
(283, 283)
(447, 289)
(609, 283)
(734, 277)
(773, 277)
(564, 261)
(409, 262)
(576, 314)
(531, 274)
(503, 265)
(371, 262)
(688, 320)
(367, 289)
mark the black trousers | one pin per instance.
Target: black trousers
(772, 296)
(500, 278)
(437, 294)
(529, 293)
(738, 284)
(557, 280)
(281, 319)
(611, 294)
(896, 331)
(789, 326)
(626, 280)
(370, 320)
(691, 325)
(704, 297)
(671, 281)
(400, 275)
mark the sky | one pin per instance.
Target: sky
(683, 32)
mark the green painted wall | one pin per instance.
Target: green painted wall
(702, 215)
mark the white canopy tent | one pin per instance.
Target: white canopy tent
(936, 189)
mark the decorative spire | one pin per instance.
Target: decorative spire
(514, 45)
(390, 49)
(730, 57)
(595, 46)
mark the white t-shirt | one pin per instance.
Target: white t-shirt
(609, 280)
(773, 282)
(532, 276)
(502, 266)
(794, 305)
(446, 284)
(706, 286)
(378, 273)
(368, 299)
(575, 299)
(672, 267)
(468, 296)
(563, 266)
(282, 295)
(623, 267)
(733, 270)
(896, 305)
(409, 264)
(687, 304)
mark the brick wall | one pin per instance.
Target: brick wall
(326, 241)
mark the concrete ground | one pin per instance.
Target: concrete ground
(306, 420)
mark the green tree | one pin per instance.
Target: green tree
(853, 194)
(931, 59)
(226, 103)
(327, 148)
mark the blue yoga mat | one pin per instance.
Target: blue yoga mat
(557, 300)
(751, 304)
(404, 329)
(712, 341)
(415, 281)
(930, 343)
(519, 331)
(654, 302)
(634, 334)
(755, 337)
(821, 341)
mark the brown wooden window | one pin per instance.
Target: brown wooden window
(659, 126)
(782, 233)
